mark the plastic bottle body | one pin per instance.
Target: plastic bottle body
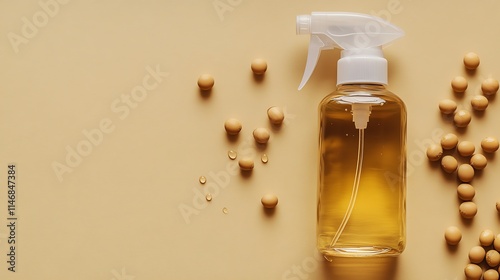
(375, 225)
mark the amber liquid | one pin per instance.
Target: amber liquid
(376, 226)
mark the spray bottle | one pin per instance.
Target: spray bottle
(362, 139)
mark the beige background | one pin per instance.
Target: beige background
(117, 215)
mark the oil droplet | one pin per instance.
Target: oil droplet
(208, 197)
(264, 158)
(232, 154)
(224, 210)
(203, 180)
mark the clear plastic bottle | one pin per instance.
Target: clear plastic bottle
(362, 185)
(362, 139)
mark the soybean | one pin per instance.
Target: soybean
(206, 82)
(452, 235)
(259, 66)
(490, 274)
(434, 152)
(465, 172)
(246, 164)
(447, 106)
(276, 115)
(233, 126)
(489, 144)
(486, 237)
(462, 118)
(449, 164)
(478, 161)
(492, 258)
(473, 271)
(471, 61)
(479, 103)
(261, 135)
(468, 210)
(477, 254)
(489, 86)
(496, 242)
(459, 84)
(269, 200)
(466, 148)
(449, 141)
(466, 192)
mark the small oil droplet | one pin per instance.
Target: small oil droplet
(232, 154)
(264, 158)
(224, 210)
(203, 180)
(208, 197)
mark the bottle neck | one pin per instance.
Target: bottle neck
(363, 87)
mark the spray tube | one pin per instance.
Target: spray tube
(361, 38)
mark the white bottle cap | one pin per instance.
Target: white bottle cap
(362, 66)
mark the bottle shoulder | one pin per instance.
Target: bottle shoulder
(363, 92)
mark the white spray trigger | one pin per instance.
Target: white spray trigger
(316, 45)
(361, 36)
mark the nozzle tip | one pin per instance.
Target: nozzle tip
(303, 24)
